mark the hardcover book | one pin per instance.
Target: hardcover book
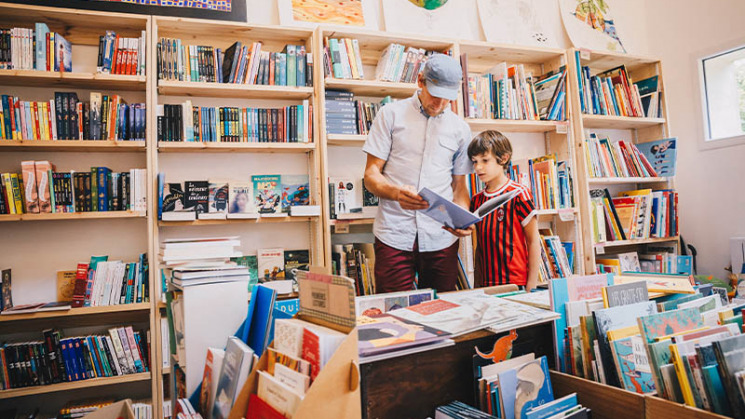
(271, 264)
(632, 364)
(234, 371)
(267, 193)
(624, 294)
(661, 154)
(524, 388)
(386, 333)
(218, 198)
(241, 202)
(295, 191)
(196, 195)
(294, 260)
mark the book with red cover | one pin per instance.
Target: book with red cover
(312, 352)
(259, 409)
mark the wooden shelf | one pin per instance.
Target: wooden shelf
(73, 145)
(345, 140)
(264, 220)
(480, 50)
(74, 385)
(353, 221)
(605, 60)
(52, 79)
(554, 212)
(625, 180)
(96, 215)
(166, 371)
(619, 122)
(83, 316)
(230, 90)
(634, 242)
(200, 147)
(510, 125)
(372, 87)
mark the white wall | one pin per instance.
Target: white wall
(711, 199)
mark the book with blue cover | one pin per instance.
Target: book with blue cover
(661, 155)
(524, 388)
(632, 364)
(453, 215)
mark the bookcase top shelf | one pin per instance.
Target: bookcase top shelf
(72, 146)
(378, 41)
(75, 385)
(633, 242)
(480, 50)
(624, 180)
(605, 60)
(55, 79)
(206, 32)
(264, 220)
(76, 317)
(200, 147)
(373, 87)
(59, 216)
(513, 125)
(231, 90)
(619, 122)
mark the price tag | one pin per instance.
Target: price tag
(584, 54)
(561, 128)
(566, 214)
(600, 248)
(341, 227)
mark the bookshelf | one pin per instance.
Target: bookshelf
(185, 161)
(634, 129)
(530, 138)
(38, 251)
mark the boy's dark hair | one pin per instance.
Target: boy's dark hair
(494, 142)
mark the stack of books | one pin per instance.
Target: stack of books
(342, 58)
(557, 257)
(401, 64)
(238, 64)
(101, 282)
(637, 214)
(56, 359)
(120, 55)
(613, 93)
(41, 189)
(105, 117)
(625, 159)
(193, 262)
(34, 49)
(187, 123)
(341, 113)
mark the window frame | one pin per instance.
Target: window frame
(702, 104)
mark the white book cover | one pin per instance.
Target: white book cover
(115, 355)
(165, 345)
(278, 395)
(291, 378)
(240, 201)
(288, 336)
(347, 194)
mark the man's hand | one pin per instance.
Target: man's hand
(409, 199)
(460, 232)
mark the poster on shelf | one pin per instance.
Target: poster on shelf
(441, 18)
(310, 13)
(590, 24)
(521, 22)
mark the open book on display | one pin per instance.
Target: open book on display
(453, 215)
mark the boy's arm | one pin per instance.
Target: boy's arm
(533, 240)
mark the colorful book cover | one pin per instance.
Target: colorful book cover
(525, 387)
(632, 364)
(30, 189)
(7, 290)
(661, 154)
(241, 198)
(271, 264)
(587, 287)
(218, 199)
(386, 333)
(267, 193)
(174, 198)
(295, 191)
(657, 325)
(669, 284)
(294, 260)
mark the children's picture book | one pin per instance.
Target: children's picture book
(218, 199)
(294, 260)
(669, 284)
(632, 364)
(525, 387)
(196, 195)
(455, 216)
(667, 323)
(629, 262)
(267, 193)
(624, 294)
(371, 305)
(271, 264)
(347, 195)
(295, 191)
(385, 333)
(63, 56)
(661, 154)
(241, 200)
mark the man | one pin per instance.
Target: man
(414, 143)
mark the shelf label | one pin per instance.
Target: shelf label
(341, 227)
(561, 127)
(566, 214)
(600, 248)
(584, 54)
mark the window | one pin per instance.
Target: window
(723, 77)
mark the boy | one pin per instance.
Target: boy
(509, 249)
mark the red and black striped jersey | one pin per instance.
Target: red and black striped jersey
(502, 248)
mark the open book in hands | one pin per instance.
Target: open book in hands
(453, 215)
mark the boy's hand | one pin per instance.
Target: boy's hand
(458, 232)
(409, 199)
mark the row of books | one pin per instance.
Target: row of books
(75, 410)
(400, 64)
(120, 55)
(356, 261)
(349, 199)
(34, 49)
(56, 359)
(655, 259)
(238, 64)
(344, 115)
(637, 214)
(342, 58)
(187, 123)
(41, 189)
(655, 334)
(105, 117)
(612, 92)
(508, 92)
(625, 159)
(557, 257)
(263, 195)
(103, 283)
